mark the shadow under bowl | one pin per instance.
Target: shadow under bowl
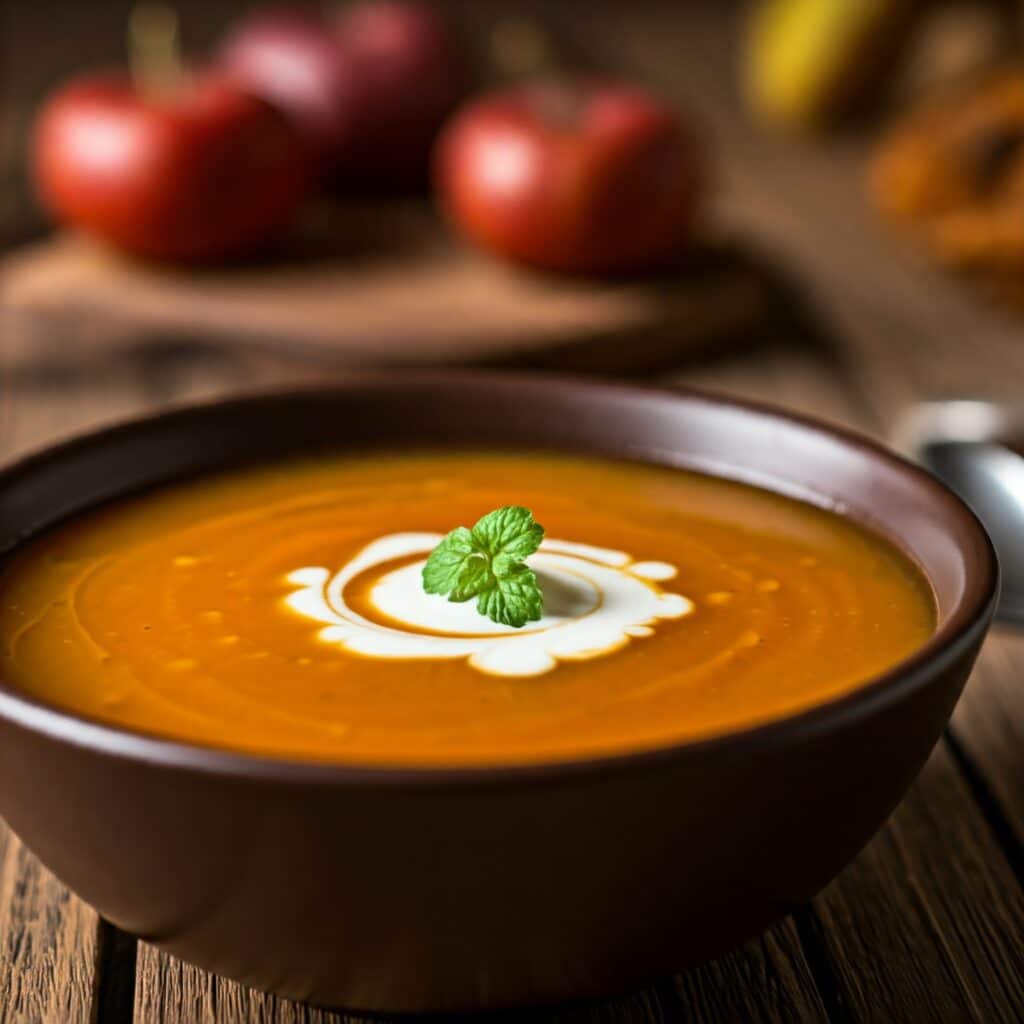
(458, 889)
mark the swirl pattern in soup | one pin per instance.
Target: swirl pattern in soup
(226, 611)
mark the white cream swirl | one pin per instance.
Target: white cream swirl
(595, 601)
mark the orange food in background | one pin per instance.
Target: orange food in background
(951, 175)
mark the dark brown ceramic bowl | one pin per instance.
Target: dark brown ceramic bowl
(402, 889)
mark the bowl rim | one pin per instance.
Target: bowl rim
(963, 627)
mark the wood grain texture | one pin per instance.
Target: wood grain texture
(926, 924)
(49, 944)
(766, 980)
(989, 722)
(377, 285)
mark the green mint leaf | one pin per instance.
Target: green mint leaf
(487, 563)
(514, 600)
(509, 532)
(446, 561)
(475, 577)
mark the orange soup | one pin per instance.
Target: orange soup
(280, 611)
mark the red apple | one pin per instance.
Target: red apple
(369, 88)
(292, 57)
(576, 176)
(411, 74)
(200, 174)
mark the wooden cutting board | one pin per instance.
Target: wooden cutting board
(375, 285)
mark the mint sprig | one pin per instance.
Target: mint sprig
(488, 563)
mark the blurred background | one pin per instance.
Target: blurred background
(617, 188)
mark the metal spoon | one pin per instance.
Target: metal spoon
(975, 448)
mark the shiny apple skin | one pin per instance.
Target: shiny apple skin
(588, 176)
(410, 73)
(206, 173)
(293, 58)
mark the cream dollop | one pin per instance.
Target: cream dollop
(595, 601)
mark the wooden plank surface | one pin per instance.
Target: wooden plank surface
(382, 284)
(927, 924)
(49, 943)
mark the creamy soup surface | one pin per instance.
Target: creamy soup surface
(278, 611)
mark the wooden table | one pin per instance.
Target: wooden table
(928, 923)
